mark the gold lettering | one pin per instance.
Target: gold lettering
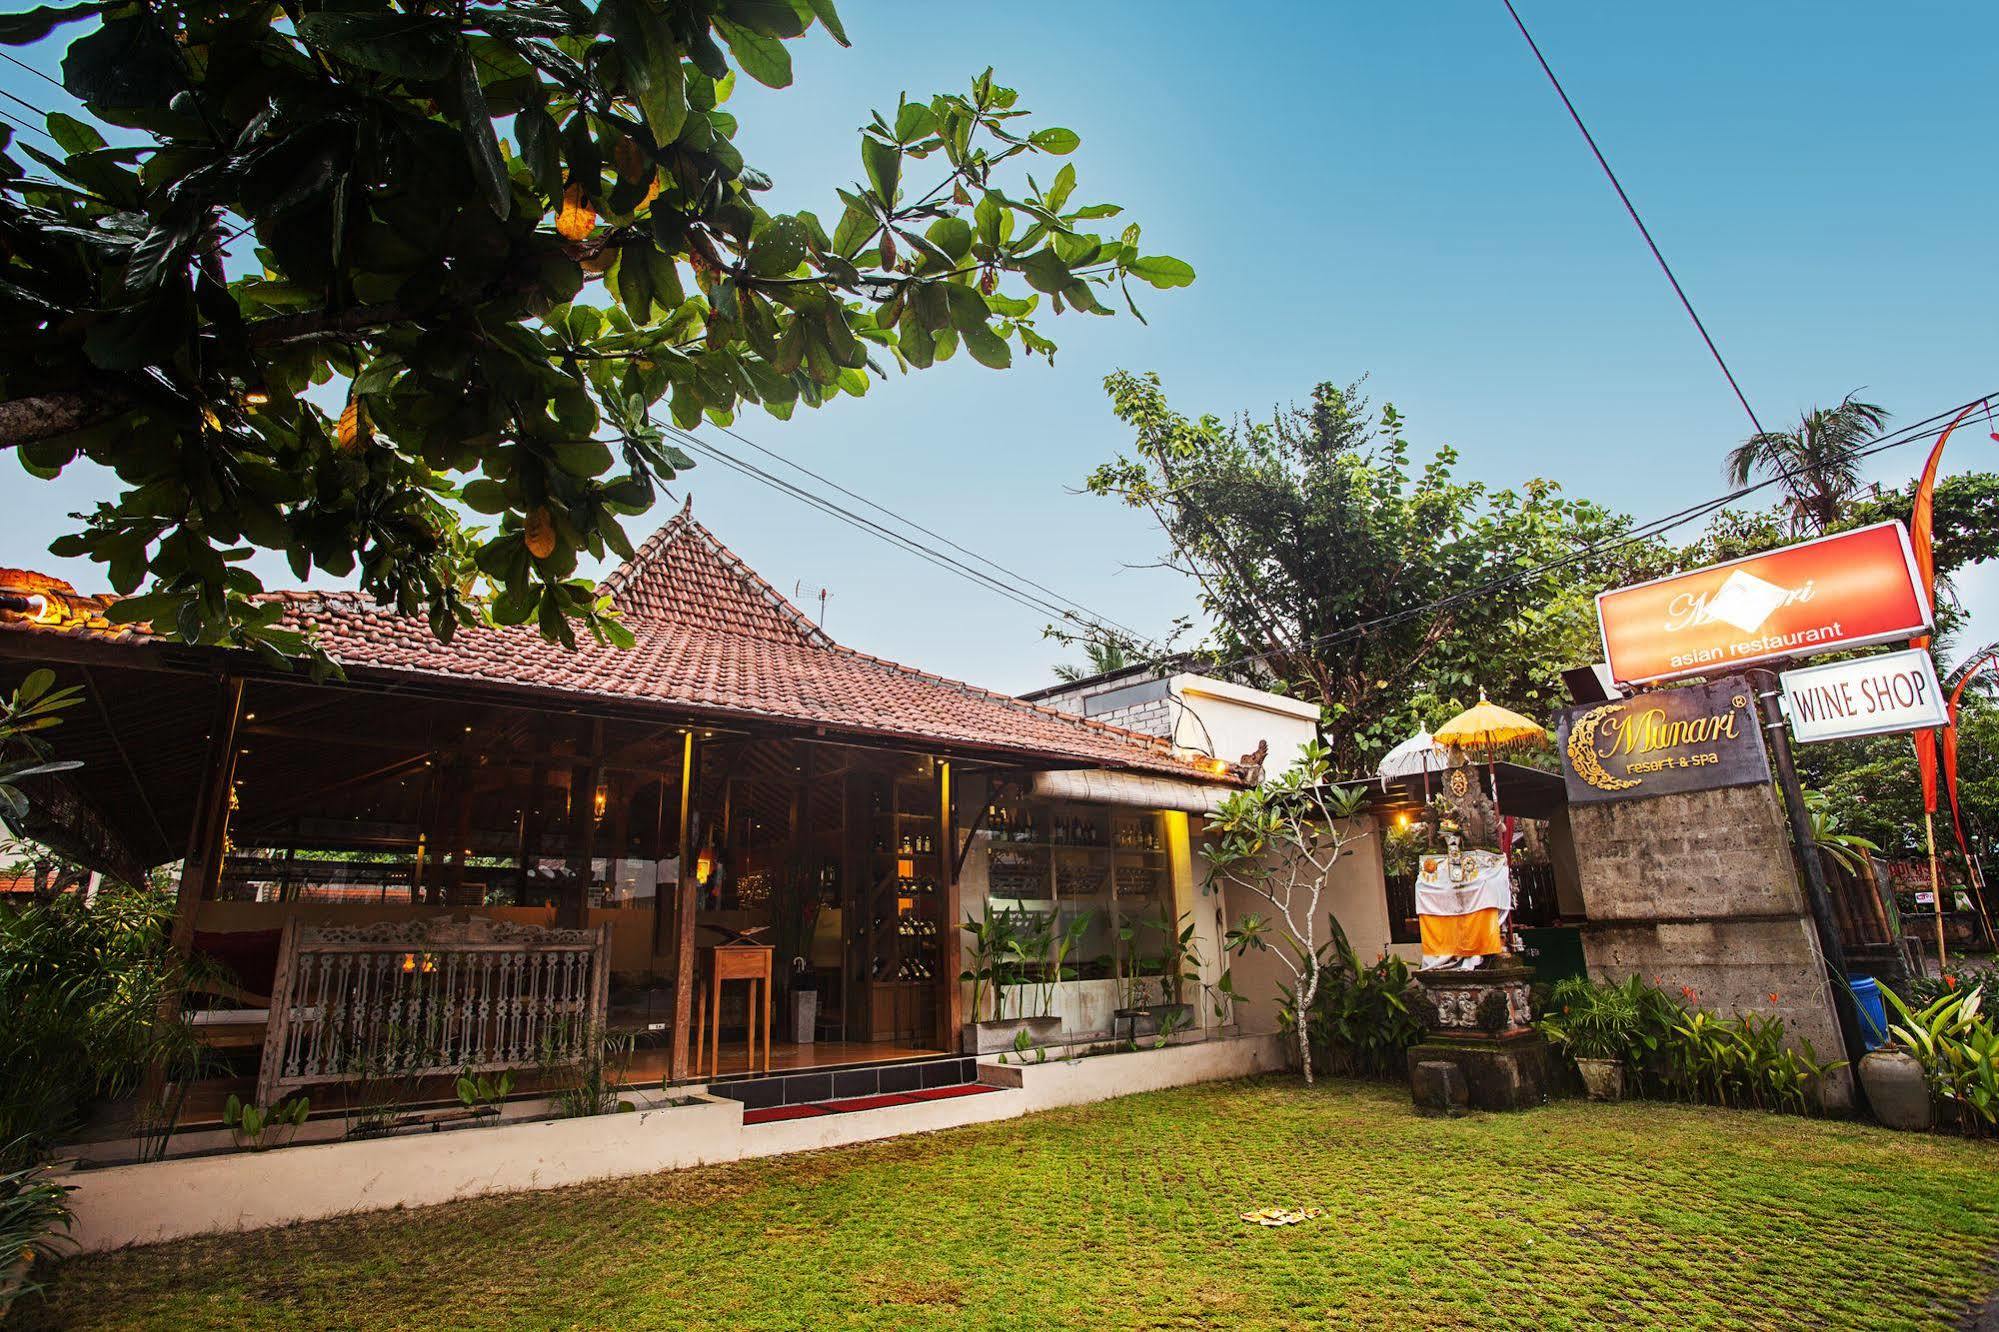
(1650, 731)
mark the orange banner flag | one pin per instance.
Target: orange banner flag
(1922, 525)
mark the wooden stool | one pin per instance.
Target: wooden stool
(727, 962)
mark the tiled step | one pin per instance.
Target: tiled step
(779, 1113)
(839, 1084)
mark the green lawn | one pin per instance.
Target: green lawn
(1126, 1215)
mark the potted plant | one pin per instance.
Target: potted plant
(1595, 1026)
(1137, 969)
(1179, 963)
(1896, 1075)
(1007, 954)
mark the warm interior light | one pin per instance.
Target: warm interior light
(409, 961)
(42, 610)
(256, 396)
(1402, 820)
(704, 865)
(601, 801)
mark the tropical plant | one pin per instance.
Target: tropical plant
(258, 1127)
(1957, 1044)
(483, 1093)
(1818, 462)
(1591, 1021)
(589, 1085)
(34, 1219)
(1058, 968)
(1847, 850)
(1102, 656)
(413, 202)
(1360, 1020)
(84, 990)
(1179, 958)
(31, 708)
(1280, 842)
(991, 938)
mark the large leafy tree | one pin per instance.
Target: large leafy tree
(1331, 564)
(329, 280)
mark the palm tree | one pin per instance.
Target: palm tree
(1106, 655)
(1819, 461)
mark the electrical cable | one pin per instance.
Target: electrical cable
(49, 79)
(1638, 221)
(1029, 600)
(911, 523)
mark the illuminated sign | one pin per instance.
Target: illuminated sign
(1673, 740)
(1836, 592)
(1895, 691)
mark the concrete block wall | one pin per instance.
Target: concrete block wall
(1700, 891)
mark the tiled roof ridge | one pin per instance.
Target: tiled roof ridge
(628, 575)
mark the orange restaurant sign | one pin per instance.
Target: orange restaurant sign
(1830, 594)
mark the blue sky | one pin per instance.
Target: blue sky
(1389, 190)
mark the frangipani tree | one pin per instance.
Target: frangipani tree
(1280, 843)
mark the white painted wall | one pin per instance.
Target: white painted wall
(1228, 721)
(1355, 893)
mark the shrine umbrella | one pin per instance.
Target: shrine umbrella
(1419, 754)
(1492, 728)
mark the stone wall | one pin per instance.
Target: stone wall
(1700, 890)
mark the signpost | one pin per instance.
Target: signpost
(1894, 691)
(1844, 591)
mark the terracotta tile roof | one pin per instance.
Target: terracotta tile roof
(713, 636)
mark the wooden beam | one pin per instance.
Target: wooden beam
(951, 1012)
(208, 831)
(684, 907)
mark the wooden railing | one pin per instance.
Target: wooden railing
(421, 998)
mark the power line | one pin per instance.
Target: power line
(32, 129)
(1030, 600)
(1638, 221)
(1912, 434)
(45, 78)
(22, 101)
(919, 527)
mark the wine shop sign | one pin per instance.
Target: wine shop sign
(1661, 743)
(1892, 691)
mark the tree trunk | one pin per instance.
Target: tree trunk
(1307, 992)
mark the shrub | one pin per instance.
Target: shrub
(33, 1210)
(1684, 1053)
(83, 988)
(1361, 1021)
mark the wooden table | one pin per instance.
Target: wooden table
(727, 962)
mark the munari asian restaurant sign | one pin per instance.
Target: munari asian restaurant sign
(1661, 743)
(1837, 592)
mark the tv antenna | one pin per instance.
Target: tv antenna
(798, 593)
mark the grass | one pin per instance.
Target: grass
(1125, 1214)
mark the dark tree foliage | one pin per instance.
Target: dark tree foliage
(513, 248)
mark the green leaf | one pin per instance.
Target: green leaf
(35, 24)
(408, 46)
(1045, 271)
(884, 163)
(952, 235)
(823, 11)
(779, 248)
(481, 142)
(762, 57)
(1059, 192)
(73, 134)
(39, 682)
(541, 148)
(484, 496)
(1162, 270)
(1055, 140)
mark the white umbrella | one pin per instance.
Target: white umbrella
(1420, 753)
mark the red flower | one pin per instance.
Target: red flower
(1773, 996)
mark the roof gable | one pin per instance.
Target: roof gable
(683, 575)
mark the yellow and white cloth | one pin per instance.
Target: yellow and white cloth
(1463, 907)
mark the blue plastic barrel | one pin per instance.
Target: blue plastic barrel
(1873, 1015)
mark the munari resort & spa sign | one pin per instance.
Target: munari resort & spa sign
(1837, 592)
(1687, 739)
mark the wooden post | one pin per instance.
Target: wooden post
(208, 831)
(952, 1010)
(684, 890)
